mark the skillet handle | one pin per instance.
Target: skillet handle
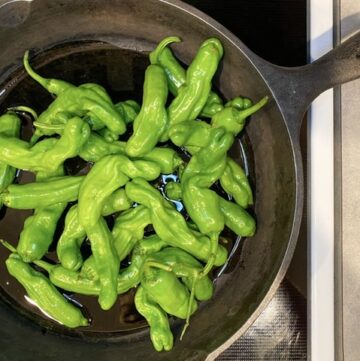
(295, 88)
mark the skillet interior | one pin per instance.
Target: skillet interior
(138, 26)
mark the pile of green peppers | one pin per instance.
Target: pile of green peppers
(170, 269)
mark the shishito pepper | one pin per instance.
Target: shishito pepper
(44, 294)
(152, 120)
(193, 95)
(10, 126)
(236, 218)
(176, 74)
(160, 332)
(203, 170)
(73, 235)
(41, 194)
(20, 154)
(169, 224)
(166, 290)
(39, 228)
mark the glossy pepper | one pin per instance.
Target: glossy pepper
(166, 290)
(192, 96)
(73, 235)
(10, 127)
(152, 120)
(183, 265)
(160, 332)
(44, 294)
(176, 74)
(19, 154)
(236, 218)
(39, 228)
(41, 194)
(236, 184)
(203, 170)
(169, 224)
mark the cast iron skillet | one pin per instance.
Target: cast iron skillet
(273, 133)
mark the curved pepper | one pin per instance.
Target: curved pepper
(180, 262)
(160, 332)
(151, 122)
(129, 109)
(176, 74)
(39, 229)
(166, 290)
(204, 168)
(44, 294)
(236, 184)
(129, 229)
(10, 127)
(192, 96)
(42, 194)
(236, 218)
(19, 154)
(73, 235)
(170, 224)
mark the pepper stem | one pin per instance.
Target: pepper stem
(42, 81)
(243, 114)
(188, 313)
(23, 108)
(154, 55)
(214, 237)
(9, 246)
(46, 266)
(158, 265)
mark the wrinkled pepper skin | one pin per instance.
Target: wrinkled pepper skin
(236, 218)
(169, 224)
(152, 120)
(176, 75)
(39, 228)
(42, 194)
(96, 148)
(44, 294)
(160, 332)
(73, 235)
(192, 96)
(129, 109)
(236, 184)
(129, 229)
(178, 260)
(166, 290)
(18, 153)
(10, 125)
(203, 170)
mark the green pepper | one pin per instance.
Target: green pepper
(236, 184)
(96, 148)
(192, 96)
(232, 119)
(239, 103)
(160, 332)
(10, 127)
(169, 224)
(166, 290)
(180, 261)
(73, 235)
(236, 218)
(129, 229)
(177, 77)
(151, 122)
(53, 86)
(39, 229)
(42, 194)
(204, 168)
(18, 153)
(129, 109)
(44, 294)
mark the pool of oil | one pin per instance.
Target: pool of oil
(121, 72)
